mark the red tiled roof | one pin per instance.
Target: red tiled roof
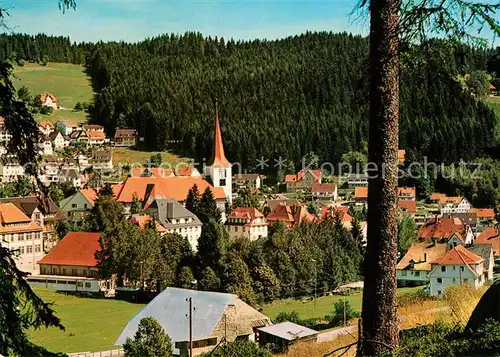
(408, 205)
(484, 212)
(44, 96)
(406, 191)
(302, 173)
(332, 211)
(96, 134)
(90, 194)
(10, 214)
(46, 124)
(219, 158)
(361, 192)
(290, 178)
(491, 87)
(75, 249)
(291, 214)
(125, 133)
(187, 171)
(168, 187)
(422, 255)
(490, 235)
(437, 196)
(444, 228)
(323, 187)
(457, 256)
(245, 213)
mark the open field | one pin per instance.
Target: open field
(494, 103)
(130, 156)
(91, 324)
(68, 82)
(324, 305)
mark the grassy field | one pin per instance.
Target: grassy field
(494, 103)
(91, 324)
(68, 82)
(129, 156)
(324, 305)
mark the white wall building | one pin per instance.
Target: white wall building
(10, 169)
(246, 222)
(455, 205)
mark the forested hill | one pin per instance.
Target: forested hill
(283, 98)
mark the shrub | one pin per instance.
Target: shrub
(337, 317)
(414, 297)
(78, 107)
(46, 110)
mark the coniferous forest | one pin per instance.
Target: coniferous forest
(276, 98)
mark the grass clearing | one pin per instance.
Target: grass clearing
(68, 82)
(91, 324)
(131, 156)
(324, 304)
(494, 103)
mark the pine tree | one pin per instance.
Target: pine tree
(193, 199)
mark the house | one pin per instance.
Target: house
(361, 195)
(92, 127)
(71, 175)
(407, 207)
(49, 169)
(291, 215)
(96, 137)
(332, 212)
(407, 194)
(58, 140)
(10, 169)
(285, 334)
(220, 169)
(490, 235)
(176, 218)
(357, 180)
(46, 128)
(469, 219)
(125, 137)
(485, 216)
(250, 181)
(485, 251)
(147, 189)
(303, 181)
(42, 211)
(218, 316)
(457, 266)
(66, 127)
(144, 221)
(81, 159)
(102, 160)
(246, 222)
(454, 205)
(49, 100)
(44, 145)
(401, 156)
(5, 136)
(74, 255)
(19, 232)
(79, 136)
(446, 230)
(190, 171)
(79, 204)
(413, 268)
(273, 203)
(324, 191)
(436, 197)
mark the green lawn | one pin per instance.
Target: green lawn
(68, 82)
(324, 305)
(494, 103)
(91, 324)
(130, 156)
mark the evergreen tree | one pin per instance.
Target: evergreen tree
(193, 200)
(150, 340)
(209, 281)
(207, 209)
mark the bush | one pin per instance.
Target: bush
(414, 297)
(20, 62)
(78, 107)
(46, 110)
(150, 340)
(337, 317)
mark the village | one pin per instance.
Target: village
(455, 243)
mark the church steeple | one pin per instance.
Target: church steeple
(219, 159)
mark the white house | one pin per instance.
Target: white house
(81, 159)
(455, 205)
(5, 136)
(102, 160)
(415, 265)
(71, 175)
(58, 140)
(46, 128)
(176, 218)
(44, 145)
(49, 100)
(246, 222)
(324, 191)
(457, 266)
(10, 169)
(251, 181)
(220, 169)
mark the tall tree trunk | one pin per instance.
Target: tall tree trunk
(379, 320)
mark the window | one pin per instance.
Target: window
(466, 280)
(85, 205)
(37, 248)
(87, 285)
(417, 273)
(462, 268)
(79, 284)
(29, 249)
(443, 268)
(439, 292)
(403, 272)
(73, 205)
(454, 268)
(21, 249)
(64, 271)
(222, 182)
(454, 280)
(21, 236)
(439, 280)
(222, 173)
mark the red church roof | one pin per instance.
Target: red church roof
(218, 151)
(75, 249)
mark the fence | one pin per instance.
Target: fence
(110, 353)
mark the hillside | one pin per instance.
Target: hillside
(68, 82)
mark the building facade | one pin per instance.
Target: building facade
(246, 222)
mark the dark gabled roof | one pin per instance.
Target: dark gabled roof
(105, 154)
(54, 134)
(125, 133)
(466, 218)
(30, 203)
(484, 251)
(169, 209)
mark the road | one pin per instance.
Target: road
(353, 329)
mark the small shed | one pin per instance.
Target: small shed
(284, 334)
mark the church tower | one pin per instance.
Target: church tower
(220, 169)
